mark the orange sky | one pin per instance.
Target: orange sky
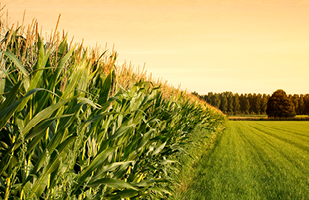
(243, 46)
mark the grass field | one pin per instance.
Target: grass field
(265, 118)
(256, 160)
(248, 115)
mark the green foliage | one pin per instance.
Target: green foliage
(236, 104)
(251, 104)
(224, 103)
(200, 145)
(280, 106)
(70, 131)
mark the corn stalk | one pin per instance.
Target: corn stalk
(70, 130)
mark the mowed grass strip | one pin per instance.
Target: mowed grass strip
(256, 160)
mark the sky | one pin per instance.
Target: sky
(243, 46)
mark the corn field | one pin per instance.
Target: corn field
(76, 126)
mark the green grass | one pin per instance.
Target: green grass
(297, 116)
(300, 116)
(256, 160)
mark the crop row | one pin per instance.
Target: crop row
(75, 126)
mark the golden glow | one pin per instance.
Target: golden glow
(243, 46)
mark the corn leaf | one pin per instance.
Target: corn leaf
(106, 87)
(110, 182)
(46, 113)
(8, 111)
(158, 149)
(16, 62)
(127, 193)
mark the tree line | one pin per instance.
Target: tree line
(254, 104)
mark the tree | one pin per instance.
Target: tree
(242, 99)
(301, 105)
(208, 98)
(195, 93)
(223, 105)
(246, 106)
(294, 99)
(258, 103)
(306, 104)
(264, 103)
(280, 106)
(230, 104)
(251, 103)
(236, 104)
(215, 100)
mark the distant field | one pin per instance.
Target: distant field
(248, 116)
(265, 118)
(256, 160)
(301, 116)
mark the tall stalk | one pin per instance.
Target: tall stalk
(72, 128)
